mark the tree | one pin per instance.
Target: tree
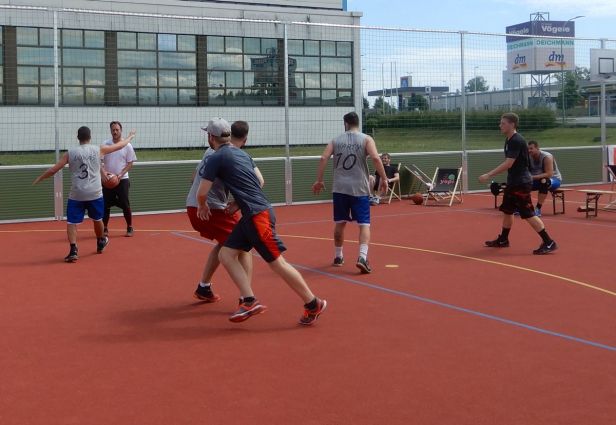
(380, 106)
(571, 91)
(580, 73)
(366, 103)
(476, 84)
(417, 102)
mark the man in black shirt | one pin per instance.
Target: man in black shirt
(392, 176)
(519, 185)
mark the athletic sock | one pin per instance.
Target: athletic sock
(312, 304)
(247, 300)
(73, 247)
(363, 250)
(544, 235)
(338, 251)
(205, 284)
(505, 234)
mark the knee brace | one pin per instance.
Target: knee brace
(544, 185)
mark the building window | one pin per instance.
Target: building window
(1, 66)
(83, 67)
(157, 69)
(35, 78)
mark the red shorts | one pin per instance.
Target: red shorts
(218, 227)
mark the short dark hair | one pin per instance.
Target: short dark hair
(534, 143)
(385, 154)
(84, 134)
(512, 117)
(351, 119)
(239, 129)
(112, 123)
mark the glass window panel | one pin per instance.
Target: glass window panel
(1, 51)
(72, 95)
(252, 45)
(127, 40)
(27, 75)
(127, 77)
(83, 57)
(296, 47)
(344, 48)
(311, 48)
(1, 77)
(226, 62)
(344, 98)
(187, 78)
(336, 65)
(94, 39)
(47, 95)
(168, 97)
(313, 81)
(215, 44)
(0, 35)
(167, 78)
(329, 97)
(328, 81)
(261, 63)
(46, 75)
(235, 97)
(147, 78)
(128, 96)
(34, 56)
(249, 79)
(269, 46)
(128, 59)
(147, 96)
(328, 48)
(167, 42)
(233, 45)
(187, 97)
(298, 81)
(95, 77)
(187, 43)
(308, 64)
(46, 37)
(72, 38)
(1, 101)
(296, 97)
(27, 95)
(215, 79)
(72, 76)
(146, 41)
(95, 96)
(27, 36)
(313, 97)
(216, 97)
(235, 79)
(345, 81)
(177, 60)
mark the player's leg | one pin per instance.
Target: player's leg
(543, 186)
(122, 191)
(527, 212)
(75, 212)
(96, 211)
(342, 215)
(108, 197)
(204, 287)
(360, 212)
(508, 207)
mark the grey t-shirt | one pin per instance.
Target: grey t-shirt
(350, 166)
(84, 163)
(536, 167)
(218, 196)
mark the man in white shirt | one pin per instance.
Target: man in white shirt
(118, 163)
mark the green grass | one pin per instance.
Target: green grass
(387, 140)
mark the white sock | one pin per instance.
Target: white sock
(363, 250)
(338, 251)
(205, 284)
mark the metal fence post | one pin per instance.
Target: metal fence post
(58, 204)
(463, 115)
(603, 110)
(288, 172)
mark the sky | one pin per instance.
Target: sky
(599, 16)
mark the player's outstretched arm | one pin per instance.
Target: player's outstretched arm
(259, 176)
(53, 170)
(319, 185)
(105, 149)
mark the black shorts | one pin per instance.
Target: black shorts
(118, 196)
(517, 198)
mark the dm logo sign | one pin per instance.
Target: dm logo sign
(555, 59)
(519, 62)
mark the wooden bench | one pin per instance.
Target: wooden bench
(593, 195)
(559, 194)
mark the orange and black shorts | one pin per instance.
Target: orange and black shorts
(517, 198)
(258, 232)
(218, 227)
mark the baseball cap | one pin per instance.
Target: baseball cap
(218, 127)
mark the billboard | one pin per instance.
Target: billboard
(528, 53)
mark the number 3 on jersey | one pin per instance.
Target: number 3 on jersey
(348, 162)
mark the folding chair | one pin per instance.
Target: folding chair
(611, 170)
(445, 186)
(391, 191)
(419, 175)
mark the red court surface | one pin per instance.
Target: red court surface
(444, 331)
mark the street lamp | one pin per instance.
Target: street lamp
(562, 67)
(475, 79)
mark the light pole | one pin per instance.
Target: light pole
(562, 68)
(475, 79)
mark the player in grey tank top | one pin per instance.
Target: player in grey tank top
(351, 188)
(86, 193)
(545, 173)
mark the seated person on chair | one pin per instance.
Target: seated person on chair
(544, 170)
(392, 176)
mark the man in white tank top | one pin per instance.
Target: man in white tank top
(86, 193)
(351, 189)
(545, 173)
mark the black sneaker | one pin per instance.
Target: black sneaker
(498, 243)
(310, 316)
(72, 256)
(363, 266)
(129, 232)
(546, 248)
(338, 261)
(206, 294)
(101, 244)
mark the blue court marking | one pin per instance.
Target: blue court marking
(433, 302)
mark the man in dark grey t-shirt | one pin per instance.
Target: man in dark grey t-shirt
(516, 196)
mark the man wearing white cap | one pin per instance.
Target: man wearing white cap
(256, 229)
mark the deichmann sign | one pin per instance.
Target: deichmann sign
(528, 54)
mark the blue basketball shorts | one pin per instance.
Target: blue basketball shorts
(351, 208)
(75, 210)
